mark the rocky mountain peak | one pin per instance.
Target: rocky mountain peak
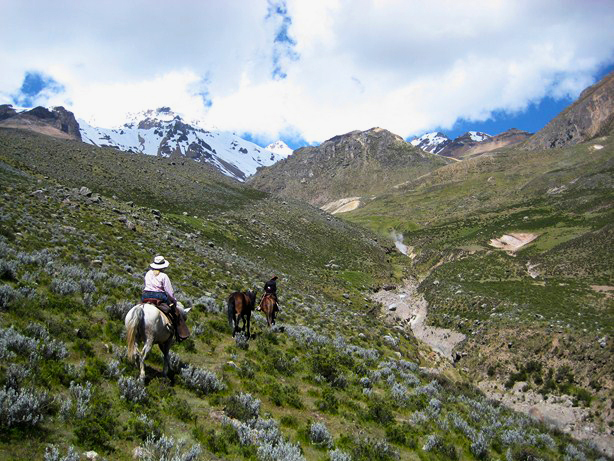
(590, 116)
(164, 133)
(58, 122)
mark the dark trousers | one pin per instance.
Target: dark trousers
(162, 296)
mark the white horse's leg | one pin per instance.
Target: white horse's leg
(146, 348)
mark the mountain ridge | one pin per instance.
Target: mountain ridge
(357, 163)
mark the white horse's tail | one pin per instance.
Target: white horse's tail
(133, 324)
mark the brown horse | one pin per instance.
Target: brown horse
(240, 306)
(267, 305)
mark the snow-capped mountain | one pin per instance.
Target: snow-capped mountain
(163, 133)
(432, 142)
(439, 143)
(280, 148)
(477, 136)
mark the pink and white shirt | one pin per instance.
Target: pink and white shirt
(159, 282)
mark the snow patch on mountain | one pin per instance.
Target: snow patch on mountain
(163, 133)
(432, 142)
(478, 136)
(280, 148)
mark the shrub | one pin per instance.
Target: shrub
(182, 410)
(241, 341)
(242, 406)
(328, 402)
(64, 287)
(338, 455)
(7, 295)
(319, 435)
(132, 390)
(479, 447)
(208, 304)
(143, 426)
(402, 435)
(16, 375)
(77, 404)
(166, 448)
(11, 342)
(437, 444)
(202, 381)
(282, 451)
(8, 270)
(119, 310)
(373, 449)
(52, 453)
(97, 429)
(23, 407)
(380, 411)
(112, 369)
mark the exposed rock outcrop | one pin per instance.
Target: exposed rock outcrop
(59, 122)
(592, 115)
(359, 163)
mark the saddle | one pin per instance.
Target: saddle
(173, 318)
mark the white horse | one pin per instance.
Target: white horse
(145, 323)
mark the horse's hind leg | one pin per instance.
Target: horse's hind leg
(165, 347)
(146, 348)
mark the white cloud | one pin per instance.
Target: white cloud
(408, 66)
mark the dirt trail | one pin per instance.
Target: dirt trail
(407, 305)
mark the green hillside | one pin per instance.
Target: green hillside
(546, 303)
(331, 381)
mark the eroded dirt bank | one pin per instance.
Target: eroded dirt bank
(408, 307)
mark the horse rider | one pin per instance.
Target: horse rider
(270, 289)
(158, 286)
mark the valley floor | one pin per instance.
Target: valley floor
(405, 305)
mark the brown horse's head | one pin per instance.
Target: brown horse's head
(251, 295)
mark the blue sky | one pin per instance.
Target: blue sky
(535, 117)
(305, 71)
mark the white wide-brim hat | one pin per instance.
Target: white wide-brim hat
(159, 263)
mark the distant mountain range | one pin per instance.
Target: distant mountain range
(470, 143)
(163, 133)
(158, 132)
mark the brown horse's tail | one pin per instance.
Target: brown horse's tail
(231, 311)
(132, 325)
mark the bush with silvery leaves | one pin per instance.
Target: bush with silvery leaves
(242, 406)
(167, 449)
(16, 375)
(52, 453)
(319, 435)
(132, 389)
(282, 451)
(7, 295)
(338, 455)
(118, 310)
(23, 407)
(200, 380)
(77, 404)
(64, 287)
(208, 304)
(12, 342)
(241, 341)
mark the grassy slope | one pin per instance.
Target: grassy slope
(449, 218)
(70, 267)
